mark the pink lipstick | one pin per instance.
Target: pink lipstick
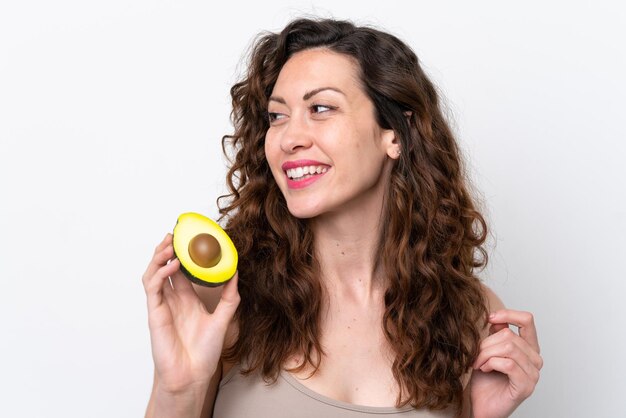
(303, 173)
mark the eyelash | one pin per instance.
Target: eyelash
(326, 106)
(272, 116)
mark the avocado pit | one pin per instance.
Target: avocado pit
(205, 250)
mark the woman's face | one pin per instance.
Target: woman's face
(324, 146)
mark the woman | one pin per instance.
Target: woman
(358, 241)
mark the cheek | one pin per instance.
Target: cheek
(368, 148)
(272, 156)
(270, 150)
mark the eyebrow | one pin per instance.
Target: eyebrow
(307, 95)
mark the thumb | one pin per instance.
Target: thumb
(497, 327)
(226, 307)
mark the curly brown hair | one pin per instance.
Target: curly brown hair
(429, 249)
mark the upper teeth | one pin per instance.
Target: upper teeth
(294, 173)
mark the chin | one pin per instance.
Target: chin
(303, 211)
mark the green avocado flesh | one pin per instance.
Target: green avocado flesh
(205, 260)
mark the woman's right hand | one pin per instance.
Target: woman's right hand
(186, 339)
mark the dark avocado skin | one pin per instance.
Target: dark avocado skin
(196, 280)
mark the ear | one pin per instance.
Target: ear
(391, 144)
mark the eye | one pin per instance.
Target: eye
(274, 116)
(318, 108)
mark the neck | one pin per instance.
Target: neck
(345, 245)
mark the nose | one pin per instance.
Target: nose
(296, 136)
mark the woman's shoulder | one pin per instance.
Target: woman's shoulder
(493, 301)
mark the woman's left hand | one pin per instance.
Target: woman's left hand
(507, 367)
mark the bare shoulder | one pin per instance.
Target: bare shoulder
(494, 302)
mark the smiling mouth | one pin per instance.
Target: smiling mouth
(302, 173)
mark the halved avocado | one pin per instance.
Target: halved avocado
(207, 255)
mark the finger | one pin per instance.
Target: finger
(504, 336)
(180, 293)
(516, 349)
(158, 260)
(184, 290)
(229, 300)
(155, 285)
(166, 240)
(523, 320)
(181, 283)
(170, 296)
(497, 328)
(158, 263)
(521, 383)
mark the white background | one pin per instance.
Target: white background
(111, 115)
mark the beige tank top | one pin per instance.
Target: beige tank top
(241, 397)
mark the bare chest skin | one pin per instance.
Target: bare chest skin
(357, 359)
(356, 363)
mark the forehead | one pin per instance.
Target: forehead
(314, 68)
